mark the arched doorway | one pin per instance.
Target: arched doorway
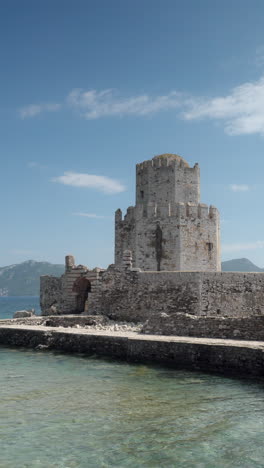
(82, 287)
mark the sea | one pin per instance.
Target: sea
(73, 411)
(9, 305)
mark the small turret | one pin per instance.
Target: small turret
(69, 262)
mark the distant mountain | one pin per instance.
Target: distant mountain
(240, 264)
(23, 279)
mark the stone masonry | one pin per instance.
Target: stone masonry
(167, 266)
(168, 228)
(69, 293)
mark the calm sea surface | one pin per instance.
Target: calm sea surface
(66, 411)
(9, 305)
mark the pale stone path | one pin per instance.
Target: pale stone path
(140, 337)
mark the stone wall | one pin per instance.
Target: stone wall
(232, 294)
(136, 296)
(214, 327)
(225, 356)
(51, 294)
(69, 293)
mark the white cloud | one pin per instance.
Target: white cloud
(90, 215)
(236, 247)
(34, 109)
(100, 183)
(93, 104)
(242, 110)
(239, 187)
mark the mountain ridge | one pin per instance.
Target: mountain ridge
(22, 279)
(240, 264)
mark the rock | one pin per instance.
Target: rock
(52, 310)
(24, 313)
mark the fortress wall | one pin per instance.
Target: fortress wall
(238, 328)
(137, 296)
(50, 293)
(232, 294)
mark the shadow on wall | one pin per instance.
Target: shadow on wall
(81, 287)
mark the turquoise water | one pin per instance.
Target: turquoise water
(63, 411)
(9, 305)
(72, 411)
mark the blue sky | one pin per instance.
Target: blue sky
(90, 88)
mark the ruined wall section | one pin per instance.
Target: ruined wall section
(125, 233)
(169, 237)
(62, 295)
(68, 280)
(50, 294)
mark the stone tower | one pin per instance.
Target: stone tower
(169, 229)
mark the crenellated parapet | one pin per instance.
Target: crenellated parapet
(169, 210)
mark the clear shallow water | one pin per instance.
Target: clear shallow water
(72, 411)
(9, 305)
(62, 411)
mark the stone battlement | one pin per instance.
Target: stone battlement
(179, 211)
(164, 160)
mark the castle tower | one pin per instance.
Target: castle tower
(168, 228)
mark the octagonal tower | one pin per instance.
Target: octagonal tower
(168, 228)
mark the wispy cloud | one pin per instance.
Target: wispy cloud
(100, 183)
(34, 109)
(236, 247)
(239, 187)
(94, 104)
(90, 215)
(241, 110)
